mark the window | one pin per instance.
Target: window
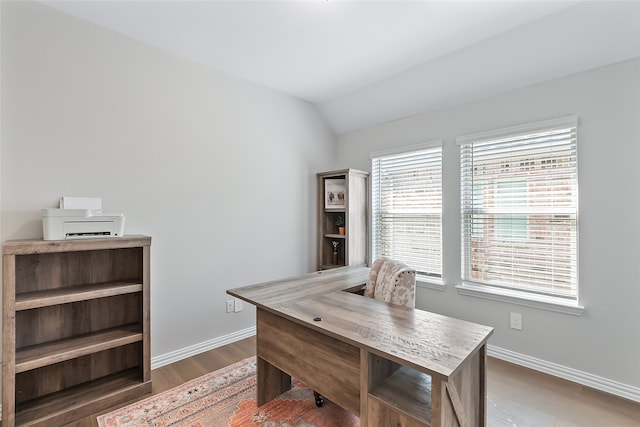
(407, 208)
(519, 206)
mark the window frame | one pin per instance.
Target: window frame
(510, 294)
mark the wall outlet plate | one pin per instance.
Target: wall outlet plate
(230, 306)
(515, 321)
(237, 306)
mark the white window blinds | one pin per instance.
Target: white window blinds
(519, 196)
(407, 208)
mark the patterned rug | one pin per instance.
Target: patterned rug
(227, 398)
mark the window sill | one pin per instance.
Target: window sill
(430, 283)
(543, 302)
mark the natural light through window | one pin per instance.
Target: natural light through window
(407, 208)
(519, 207)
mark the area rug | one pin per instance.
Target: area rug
(227, 398)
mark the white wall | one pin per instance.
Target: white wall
(220, 172)
(605, 340)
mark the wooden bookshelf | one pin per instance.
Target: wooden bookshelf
(76, 335)
(350, 204)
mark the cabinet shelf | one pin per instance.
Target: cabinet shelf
(50, 297)
(330, 266)
(408, 391)
(84, 399)
(335, 236)
(37, 356)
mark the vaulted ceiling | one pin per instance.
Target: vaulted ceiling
(367, 62)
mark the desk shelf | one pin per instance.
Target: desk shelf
(398, 394)
(405, 394)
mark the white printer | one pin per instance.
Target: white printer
(80, 218)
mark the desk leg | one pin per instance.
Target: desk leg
(272, 382)
(482, 416)
(364, 388)
(461, 401)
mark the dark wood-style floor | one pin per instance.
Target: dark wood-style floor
(534, 398)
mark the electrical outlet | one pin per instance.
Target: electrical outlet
(515, 321)
(230, 306)
(238, 306)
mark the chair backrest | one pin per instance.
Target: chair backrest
(393, 282)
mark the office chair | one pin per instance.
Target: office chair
(390, 281)
(393, 282)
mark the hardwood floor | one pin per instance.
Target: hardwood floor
(548, 401)
(517, 396)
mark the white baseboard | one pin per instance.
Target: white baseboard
(599, 383)
(192, 350)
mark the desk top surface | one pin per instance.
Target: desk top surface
(428, 342)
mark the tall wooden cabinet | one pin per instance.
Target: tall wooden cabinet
(342, 195)
(75, 327)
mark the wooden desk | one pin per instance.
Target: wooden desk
(389, 365)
